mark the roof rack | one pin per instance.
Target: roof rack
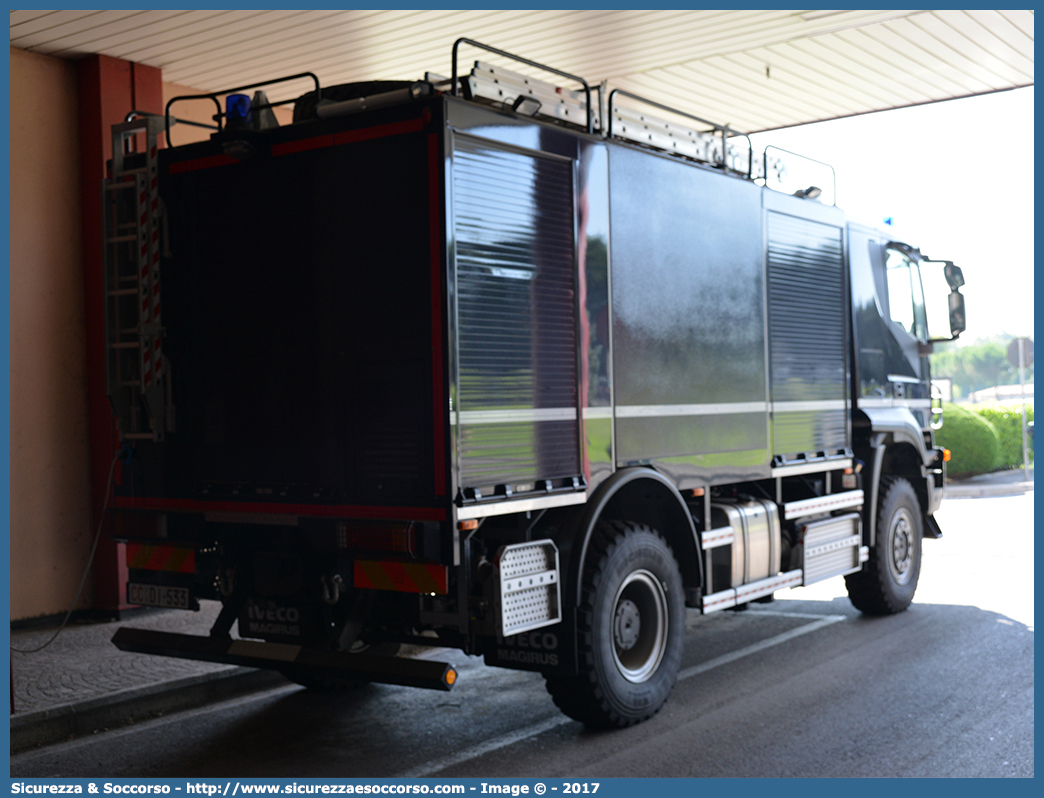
(702, 146)
(214, 95)
(717, 145)
(794, 173)
(497, 84)
(512, 83)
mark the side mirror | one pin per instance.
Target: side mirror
(954, 277)
(936, 277)
(957, 318)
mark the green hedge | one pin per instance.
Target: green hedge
(1008, 423)
(972, 440)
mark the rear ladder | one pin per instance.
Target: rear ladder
(136, 372)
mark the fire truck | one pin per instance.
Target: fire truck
(518, 367)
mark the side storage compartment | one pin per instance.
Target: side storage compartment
(807, 334)
(514, 276)
(833, 547)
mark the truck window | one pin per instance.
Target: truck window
(905, 298)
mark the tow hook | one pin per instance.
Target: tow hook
(227, 582)
(332, 587)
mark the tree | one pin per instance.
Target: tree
(973, 367)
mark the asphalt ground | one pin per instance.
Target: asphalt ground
(81, 683)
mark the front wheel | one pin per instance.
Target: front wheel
(630, 629)
(887, 583)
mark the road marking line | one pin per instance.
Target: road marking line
(781, 614)
(725, 659)
(534, 729)
(484, 748)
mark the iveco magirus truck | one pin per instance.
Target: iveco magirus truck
(520, 368)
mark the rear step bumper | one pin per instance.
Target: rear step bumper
(279, 656)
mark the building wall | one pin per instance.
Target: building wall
(50, 468)
(51, 528)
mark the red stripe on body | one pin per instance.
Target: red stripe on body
(379, 131)
(303, 145)
(201, 163)
(435, 221)
(347, 137)
(318, 510)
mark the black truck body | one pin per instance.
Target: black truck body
(434, 371)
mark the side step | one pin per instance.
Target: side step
(822, 505)
(744, 593)
(276, 656)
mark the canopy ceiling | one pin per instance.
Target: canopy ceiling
(753, 70)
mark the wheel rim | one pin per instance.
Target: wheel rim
(901, 543)
(639, 626)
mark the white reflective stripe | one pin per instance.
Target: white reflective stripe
(804, 407)
(887, 401)
(822, 504)
(518, 415)
(815, 467)
(834, 545)
(598, 412)
(520, 505)
(654, 411)
(723, 536)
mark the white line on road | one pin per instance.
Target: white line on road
(534, 729)
(780, 614)
(484, 748)
(754, 648)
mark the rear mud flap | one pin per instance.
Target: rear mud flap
(550, 650)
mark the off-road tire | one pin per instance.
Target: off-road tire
(887, 583)
(630, 629)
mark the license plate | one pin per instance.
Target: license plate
(159, 596)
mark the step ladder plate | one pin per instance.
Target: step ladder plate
(527, 587)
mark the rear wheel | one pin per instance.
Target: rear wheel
(630, 628)
(887, 583)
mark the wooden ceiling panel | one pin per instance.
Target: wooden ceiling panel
(951, 80)
(947, 57)
(35, 33)
(822, 64)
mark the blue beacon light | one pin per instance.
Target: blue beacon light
(237, 107)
